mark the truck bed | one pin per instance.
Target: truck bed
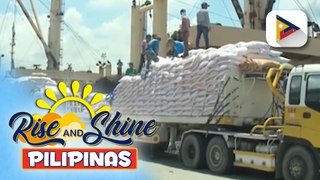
(182, 119)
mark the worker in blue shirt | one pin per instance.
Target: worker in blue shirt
(154, 45)
(175, 47)
(152, 51)
(178, 48)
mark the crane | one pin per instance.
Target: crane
(52, 47)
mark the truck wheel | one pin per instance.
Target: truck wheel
(193, 151)
(219, 156)
(298, 164)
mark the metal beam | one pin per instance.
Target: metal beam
(268, 9)
(238, 10)
(35, 14)
(33, 25)
(146, 8)
(54, 41)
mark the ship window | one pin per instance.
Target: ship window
(313, 92)
(295, 90)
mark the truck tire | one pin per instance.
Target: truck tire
(299, 164)
(219, 157)
(192, 151)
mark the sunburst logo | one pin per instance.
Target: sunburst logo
(52, 128)
(75, 98)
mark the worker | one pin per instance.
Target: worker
(175, 47)
(154, 45)
(154, 36)
(119, 67)
(152, 51)
(185, 26)
(144, 47)
(177, 35)
(203, 24)
(131, 71)
(178, 48)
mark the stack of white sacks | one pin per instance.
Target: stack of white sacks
(190, 86)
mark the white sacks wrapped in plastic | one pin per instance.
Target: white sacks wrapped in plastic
(190, 86)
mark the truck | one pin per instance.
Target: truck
(283, 140)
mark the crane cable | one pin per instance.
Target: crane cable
(24, 53)
(312, 12)
(174, 16)
(78, 48)
(80, 52)
(14, 22)
(217, 14)
(194, 6)
(81, 40)
(93, 52)
(300, 6)
(73, 31)
(303, 9)
(278, 3)
(4, 19)
(224, 4)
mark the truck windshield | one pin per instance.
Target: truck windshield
(313, 92)
(284, 85)
(295, 90)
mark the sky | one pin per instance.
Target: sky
(94, 27)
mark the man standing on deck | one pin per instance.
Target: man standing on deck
(185, 25)
(119, 67)
(203, 23)
(144, 46)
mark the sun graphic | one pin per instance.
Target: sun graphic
(75, 86)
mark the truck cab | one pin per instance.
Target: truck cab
(302, 105)
(298, 155)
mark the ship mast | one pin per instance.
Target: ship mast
(13, 39)
(54, 40)
(52, 48)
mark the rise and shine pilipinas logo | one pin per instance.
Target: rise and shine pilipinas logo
(53, 129)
